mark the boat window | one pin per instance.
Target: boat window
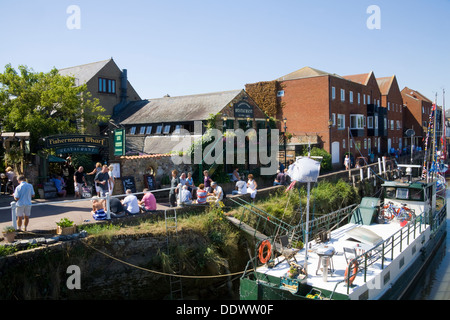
(416, 195)
(402, 193)
(390, 192)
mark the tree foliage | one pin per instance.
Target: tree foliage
(325, 164)
(45, 103)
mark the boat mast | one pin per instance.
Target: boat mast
(433, 150)
(444, 133)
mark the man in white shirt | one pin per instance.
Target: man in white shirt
(23, 194)
(131, 203)
(185, 196)
(217, 194)
(241, 187)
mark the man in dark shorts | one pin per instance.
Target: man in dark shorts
(79, 180)
(102, 178)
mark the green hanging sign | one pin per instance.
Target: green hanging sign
(119, 142)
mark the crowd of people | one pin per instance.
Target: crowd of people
(183, 191)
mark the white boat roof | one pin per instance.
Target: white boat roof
(348, 236)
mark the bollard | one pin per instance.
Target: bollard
(108, 213)
(13, 214)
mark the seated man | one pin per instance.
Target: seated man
(241, 187)
(131, 203)
(116, 208)
(59, 184)
(148, 202)
(217, 194)
(185, 196)
(98, 211)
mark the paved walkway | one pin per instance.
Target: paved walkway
(44, 216)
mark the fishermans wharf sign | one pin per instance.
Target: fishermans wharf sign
(76, 143)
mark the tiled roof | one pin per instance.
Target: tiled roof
(359, 78)
(84, 72)
(145, 156)
(176, 109)
(306, 72)
(384, 84)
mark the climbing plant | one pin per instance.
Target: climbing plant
(265, 96)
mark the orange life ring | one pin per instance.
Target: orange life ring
(265, 257)
(354, 266)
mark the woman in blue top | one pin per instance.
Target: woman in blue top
(207, 180)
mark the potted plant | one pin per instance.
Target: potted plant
(65, 227)
(297, 244)
(9, 233)
(293, 272)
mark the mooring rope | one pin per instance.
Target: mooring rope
(163, 273)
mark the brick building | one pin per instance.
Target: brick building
(344, 113)
(106, 82)
(417, 112)
(392, 100)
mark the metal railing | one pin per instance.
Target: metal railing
(395, 244)
(265, 222)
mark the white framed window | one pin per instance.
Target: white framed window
(333, 119)
(343, 144)
(142, 130)
(351, 96)
(389, 106)
(148, 130)
(399, 125)
(159, 129)
(333, 93)
(357, 121)
(341, 121)
(376, 122)
(280, 93)
(342, 95)
(392, 125)
(133, 130)
(368, 99)
(359, 98)
(167, 129)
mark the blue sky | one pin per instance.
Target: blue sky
(181, 47)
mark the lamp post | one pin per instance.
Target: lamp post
(224, 129)
(284, 136)
(268, 135)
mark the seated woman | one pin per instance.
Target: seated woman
(98, 211)
(251, 186)
(201, 194)
(190, 183)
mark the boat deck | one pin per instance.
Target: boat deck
(339, 240)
